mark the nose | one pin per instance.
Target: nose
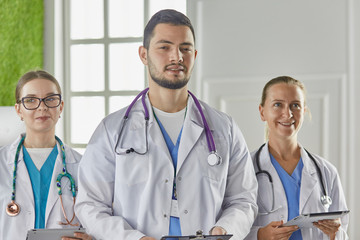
(288, 112)
(42, 105)
(176, 56)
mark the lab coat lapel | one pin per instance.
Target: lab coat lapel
(279, 192)
(309, 179)
(53, 196)
(156, 138)
(192, 129)
(23, 183)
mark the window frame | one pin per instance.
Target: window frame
(105, 41)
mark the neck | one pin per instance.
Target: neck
(284, 149)
(39, 140)
(168, 100)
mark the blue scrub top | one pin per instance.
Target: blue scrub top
(40, 182)
(291, 184)
(174, 228)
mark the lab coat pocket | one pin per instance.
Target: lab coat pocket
(215, 173)
(132, 168)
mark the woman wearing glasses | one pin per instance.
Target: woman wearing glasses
(37, 172)
(291, 180)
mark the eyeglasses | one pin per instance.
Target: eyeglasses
(32, 103)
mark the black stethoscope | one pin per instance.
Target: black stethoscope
(213, 158)
(325, 199)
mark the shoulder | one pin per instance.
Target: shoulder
(325, 163)
(214, 112)
(9, 148)
(114, 119)
(72, 155)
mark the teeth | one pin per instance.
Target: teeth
(287, 124)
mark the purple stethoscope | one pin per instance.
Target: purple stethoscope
(213, 158)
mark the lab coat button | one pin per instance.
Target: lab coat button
(179, 178)
(186, 211)
(165, 215)
(166, 180)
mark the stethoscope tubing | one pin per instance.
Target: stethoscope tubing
(260, 171)
(142, 94)
(13, 208)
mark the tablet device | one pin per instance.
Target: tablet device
(306, 220)
(52, 233)
(202, 237)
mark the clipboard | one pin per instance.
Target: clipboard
(51, 233)
(306, 220)
(198, 236)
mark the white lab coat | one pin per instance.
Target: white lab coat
(17, 227)
(128, 196)
(310, 193)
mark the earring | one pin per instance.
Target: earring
(59, 116)
(22, 119)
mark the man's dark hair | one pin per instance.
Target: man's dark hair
(168, 16)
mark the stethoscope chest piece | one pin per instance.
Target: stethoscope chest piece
(214, 159)
(326, 201)
(13, 209)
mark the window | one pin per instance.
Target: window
(102, 69)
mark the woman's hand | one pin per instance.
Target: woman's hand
(329, 227)
(147, 238)
(274, 230)
(78, 236)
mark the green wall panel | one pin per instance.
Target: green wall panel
(21, 43)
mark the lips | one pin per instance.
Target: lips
(175, 68)
(287, 123)
(43, 118)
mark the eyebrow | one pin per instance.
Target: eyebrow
(34, 95)
(279, 100)
(169, 42)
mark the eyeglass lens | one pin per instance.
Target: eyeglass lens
(32, 103)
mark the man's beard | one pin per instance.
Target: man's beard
(164, 82)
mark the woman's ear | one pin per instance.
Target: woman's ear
(61, 106)
(18, 110)
(261, 111)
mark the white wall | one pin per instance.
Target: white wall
(243, 44)
(10, 125)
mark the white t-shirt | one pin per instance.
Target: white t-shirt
(39, 155)
(172, 122)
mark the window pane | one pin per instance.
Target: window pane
(126, 18)
(86, 114)
(87, 67)
(157, 5)
(86, 19)
(119, 102)
(126, 68)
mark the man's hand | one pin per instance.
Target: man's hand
(218, 231)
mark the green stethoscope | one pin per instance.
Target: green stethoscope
(13, 209)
